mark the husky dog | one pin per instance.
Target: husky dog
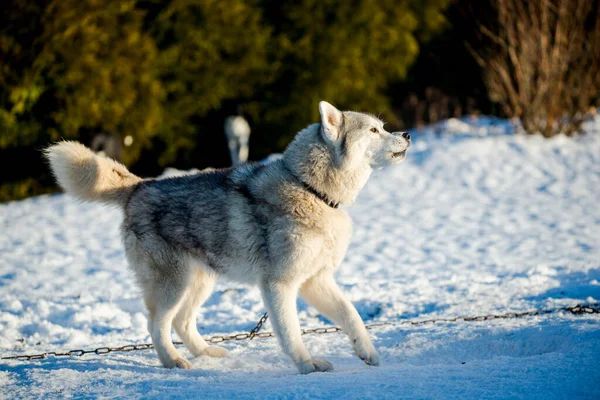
(276, 225)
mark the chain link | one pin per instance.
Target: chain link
(578, 309)
(261, 321)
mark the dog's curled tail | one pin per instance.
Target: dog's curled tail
(89, 176)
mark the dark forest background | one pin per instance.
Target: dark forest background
(162, 76)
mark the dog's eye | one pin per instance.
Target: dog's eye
(374, 130)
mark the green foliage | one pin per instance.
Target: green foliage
(345, 52)
(106, 65)
(22, 189)
(99, 65)
(154, 69)
(92, 68)
(20, 89)
(210, 51)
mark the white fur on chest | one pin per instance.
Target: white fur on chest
(338, 232)
(319, 249)
(295, 252)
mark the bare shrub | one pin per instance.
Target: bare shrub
(544, 62)
(432, 106)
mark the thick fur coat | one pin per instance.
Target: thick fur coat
(275, 225)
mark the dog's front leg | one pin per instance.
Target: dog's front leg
(280, 300)
(323, 293)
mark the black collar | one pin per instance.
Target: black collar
(320, 195)
(313, 191)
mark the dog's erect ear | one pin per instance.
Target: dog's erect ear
(331, 120)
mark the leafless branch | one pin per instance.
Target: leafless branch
(544, 64)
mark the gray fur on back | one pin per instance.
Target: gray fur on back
(238, 221)
(276, 225)
(202, 214)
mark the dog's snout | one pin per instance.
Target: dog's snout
(405, 135)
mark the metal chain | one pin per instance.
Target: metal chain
(261, 321)
(578, 309)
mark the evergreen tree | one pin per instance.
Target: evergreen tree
(210, 51)
(154, 70)
(345, 52)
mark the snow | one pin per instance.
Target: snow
(477, 220)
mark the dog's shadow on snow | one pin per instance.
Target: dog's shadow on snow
(574, 285)
(145, 365)
(454, 344)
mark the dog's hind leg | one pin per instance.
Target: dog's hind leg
(199, 288)
(163, 295)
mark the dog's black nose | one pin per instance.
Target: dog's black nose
(406, 135)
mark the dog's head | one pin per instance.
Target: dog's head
(337, 156)
(361, 138)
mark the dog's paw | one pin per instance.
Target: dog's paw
(215, 351)
(182, 363)
(372, 360)
(368, 354)
(315, 365)
(178, 363)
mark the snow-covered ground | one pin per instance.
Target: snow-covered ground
(477, 220)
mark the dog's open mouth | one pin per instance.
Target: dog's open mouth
(400, 154)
